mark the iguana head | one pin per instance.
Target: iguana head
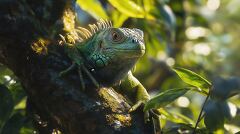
(110, 53)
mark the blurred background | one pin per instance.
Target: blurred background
(200, 35)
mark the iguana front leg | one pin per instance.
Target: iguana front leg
(81, 68)
(94, 81)
(77, 61)
(133, 86)
(69, 69)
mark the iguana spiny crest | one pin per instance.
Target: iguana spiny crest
(81, 34)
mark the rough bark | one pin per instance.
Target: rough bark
(56, 103)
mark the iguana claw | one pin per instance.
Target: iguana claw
(150, 115)
(64, 72)
(136, 106)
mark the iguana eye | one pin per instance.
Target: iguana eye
(116, 36)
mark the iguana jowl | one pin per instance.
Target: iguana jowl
(107, 55)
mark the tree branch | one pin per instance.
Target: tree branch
(56, 103)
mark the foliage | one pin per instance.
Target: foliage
(192, 78)
(195, 34)
(164, 98)
(13, 117)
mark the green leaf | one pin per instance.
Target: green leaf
(168, 15)
(168, 18)
(175, 117)
(192, 78)
(214, 116)
(14, 124)
(128, 8)
(4, 71)
(27, 127)
(118, 18)
(165, 98)
(93, 7)
(225, 88)
(202, 92)
(148, 5)
(22, 104)
(17, 92)
(6, 103)
(183, 127)
(26, 130)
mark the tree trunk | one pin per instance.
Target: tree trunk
(54, 102)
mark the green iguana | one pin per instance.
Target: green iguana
(106, 55)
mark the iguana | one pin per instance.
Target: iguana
(106, 55)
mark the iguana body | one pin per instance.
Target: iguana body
(107, 56)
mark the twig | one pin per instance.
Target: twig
(200, 117)
(156, 121)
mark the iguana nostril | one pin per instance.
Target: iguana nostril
(133, 41)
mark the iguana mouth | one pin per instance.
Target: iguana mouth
(128, 49)
(133, 53)
(138, 51)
